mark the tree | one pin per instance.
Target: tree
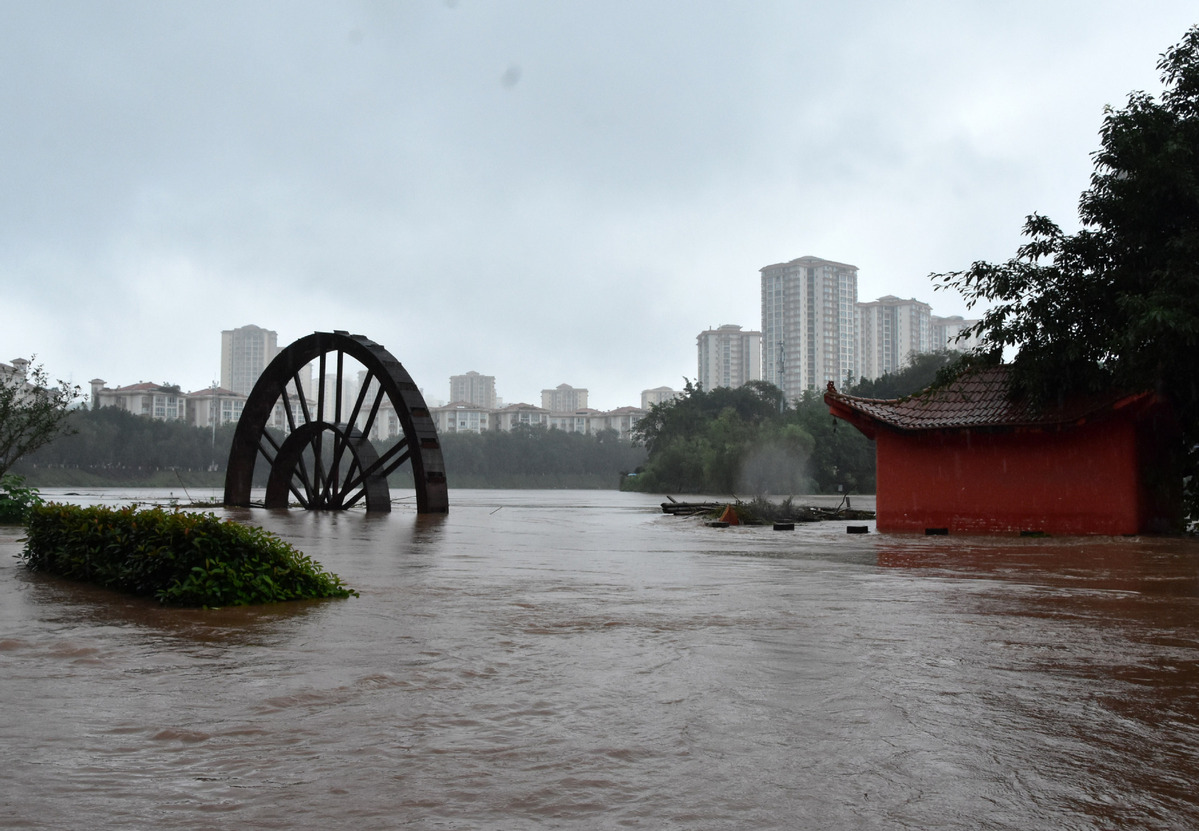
(725, 440)
(1115, 305)
(842, 458)
(755, 402)
(32, 413)
(921, 371)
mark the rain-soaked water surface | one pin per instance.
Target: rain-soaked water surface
(579, 660)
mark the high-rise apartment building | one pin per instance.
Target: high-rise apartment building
(658, 395)
(564, 399)
(808, 332)
(728, 357)
(890, 331)
(945, 331)
(245, 352)
(473, 388)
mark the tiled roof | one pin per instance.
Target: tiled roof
(979, 398)
(143, 386)
(208, 392)
(517, 407)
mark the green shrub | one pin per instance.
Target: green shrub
(16, 499)
(179, 558)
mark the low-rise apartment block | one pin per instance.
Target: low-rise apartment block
(165, 402)
(215, 406)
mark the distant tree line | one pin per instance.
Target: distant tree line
(113, 444)
(537, 457)
(110, 445)
(748, 441)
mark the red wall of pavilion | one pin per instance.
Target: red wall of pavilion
(1081, 480)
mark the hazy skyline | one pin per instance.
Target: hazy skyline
(544, 192)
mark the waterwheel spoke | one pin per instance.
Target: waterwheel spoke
(301, 473)
(302, 398)
(350, 496)
(320, 388)
(350, 480)
(405, 456)
(355, 499)
(377, 468)
(268, 454)
(308, 498)
(352, 419)
(287, 410)
(370, 420)
(286, 404)
(366, 434)
(338, 387)
(333, 489)
(300, 495)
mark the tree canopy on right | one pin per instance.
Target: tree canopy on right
(1115, 305)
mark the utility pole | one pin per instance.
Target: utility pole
(213, 415)
(782, 376)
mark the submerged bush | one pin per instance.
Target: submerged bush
(16, 499)
(179, 558)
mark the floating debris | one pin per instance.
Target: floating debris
(765, 512)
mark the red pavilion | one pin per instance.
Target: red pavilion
(971, 458)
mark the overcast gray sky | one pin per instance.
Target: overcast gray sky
(547, 192)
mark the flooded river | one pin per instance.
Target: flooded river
(580, 660)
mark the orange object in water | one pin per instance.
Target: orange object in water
(730, 516)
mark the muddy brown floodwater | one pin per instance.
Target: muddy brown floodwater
(580, 660)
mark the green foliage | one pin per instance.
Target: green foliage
(179, 558)
(744, 440)
(754, 403)
(844, 460)
(121, 446)
(16, 500)
(32, 412)
(1115, 305)
(531, 456)
(920, 373)
(731, 440)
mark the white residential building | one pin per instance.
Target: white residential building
(19, 368)
(945, 331)
(564, 399)
(245, 352)
(623, 420)
(461, 417)
(658, 395)
(890, 330)
(728, 357)
(808, 332)
(473, 388)
(214, 406)
(165, 402)
(520, 414)
(579, 421)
